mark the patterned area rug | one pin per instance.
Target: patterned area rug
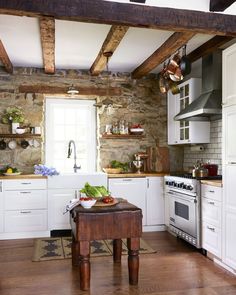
(60, 248)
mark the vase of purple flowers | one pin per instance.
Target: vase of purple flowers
(44, 170)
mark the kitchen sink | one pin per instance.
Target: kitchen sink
(77, 180)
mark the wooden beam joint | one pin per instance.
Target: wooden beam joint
(5, 59)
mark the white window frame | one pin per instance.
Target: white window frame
(91, 144)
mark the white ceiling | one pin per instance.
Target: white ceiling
(77, 44)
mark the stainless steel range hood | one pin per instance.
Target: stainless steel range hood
(208, 105)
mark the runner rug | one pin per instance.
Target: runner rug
(60, 248)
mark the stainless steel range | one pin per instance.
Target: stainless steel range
(184, 207)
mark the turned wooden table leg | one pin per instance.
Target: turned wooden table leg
(133, 245)
(84, 264)
(117, 249)
(75, 252)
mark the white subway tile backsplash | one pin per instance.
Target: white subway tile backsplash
(212, 152)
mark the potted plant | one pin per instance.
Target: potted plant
(13, 115)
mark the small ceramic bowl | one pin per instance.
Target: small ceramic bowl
(20, 130)
(87, 204)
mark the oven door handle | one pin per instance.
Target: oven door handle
(178, 196)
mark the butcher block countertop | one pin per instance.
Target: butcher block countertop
(142, 174)
(23, 176)
(213, 182)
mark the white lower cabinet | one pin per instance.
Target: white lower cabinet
(211, 219)
(155, 201)
(57, 200)
(229, 216)
(25, 211)
(144, 192)
(131, 189)
(25, 221)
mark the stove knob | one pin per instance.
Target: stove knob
(189, 187)
(185, 186)
(181, 184)
(175, 184)
(167, 182)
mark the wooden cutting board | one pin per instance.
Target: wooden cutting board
(101, 204)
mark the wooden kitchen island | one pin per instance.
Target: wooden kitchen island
(122, 220)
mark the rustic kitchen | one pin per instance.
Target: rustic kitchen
(86, 128)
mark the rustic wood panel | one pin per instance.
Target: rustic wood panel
(208, 47)
(47, 33)
(106, 12)
(220, 5)
(46, 89)
(5, 59)
(172, 44)
(110, 44)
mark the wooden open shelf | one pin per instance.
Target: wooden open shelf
(24, 135)
(122, 136)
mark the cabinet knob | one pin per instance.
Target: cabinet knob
(211, 203)
(211, 228)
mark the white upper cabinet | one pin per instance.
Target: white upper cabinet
(186, 132)
(229, 85)
(229, 133)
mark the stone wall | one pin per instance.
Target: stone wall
(141, 103)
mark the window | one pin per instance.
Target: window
(70, 120)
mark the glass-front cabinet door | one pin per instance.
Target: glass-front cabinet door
(183, 103)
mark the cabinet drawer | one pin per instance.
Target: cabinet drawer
(25, 199)
(211, 211)
(22, 184)
(211, 239)
(25, 221)
(211, 192)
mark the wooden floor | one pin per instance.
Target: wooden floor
(176, 269)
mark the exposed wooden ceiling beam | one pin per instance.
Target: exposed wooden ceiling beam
(172, 44)
(138, 1)
(107, 12)
(110, 44)
(47, 33)
(208, 47)
(5, 59)
(220, 5)
(47, 89)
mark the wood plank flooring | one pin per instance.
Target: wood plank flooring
(176, 269)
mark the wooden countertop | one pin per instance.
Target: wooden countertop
(213, 182)
(143, 174)
(23, 176)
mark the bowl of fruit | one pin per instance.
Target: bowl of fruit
(136, 129)
(11, 171)
(87, 202)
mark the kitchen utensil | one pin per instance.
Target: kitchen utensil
(12, 144)
(174, 87)
(202, 172)
(138, 165)
(24, 144)
(185, 63)
(173, 64)
(3, 145)
(212, 169)
(163, 82)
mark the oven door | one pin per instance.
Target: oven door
(183, 212)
